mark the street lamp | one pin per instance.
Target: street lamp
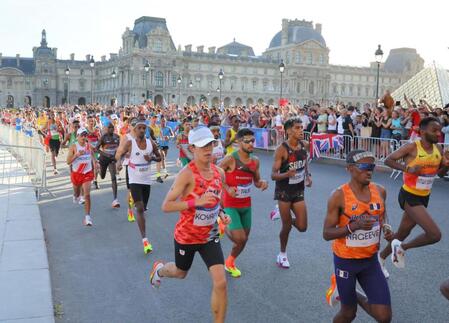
(190, 92)
(92, 65)
(179, 80)
(146, 67)
(220, 77)
(281, 70)
(114, 75)
(67, 96)
(379, 53)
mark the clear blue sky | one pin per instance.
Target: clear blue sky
(352, 29)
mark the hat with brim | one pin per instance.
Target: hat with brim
(200, 136)
(81, 131)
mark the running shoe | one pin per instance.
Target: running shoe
(159, 179)
(332, 297)
(147, 247)
(96, 185)
(76, 200)
(87, 221)
(221, 228)
(398, 254)
(131, 215)
(115, 204)
(275, 215)
(166, 174)
(55, 172)
(233, 270)
(382, 266)
(81, 200)
(282, 261)
(155, 279)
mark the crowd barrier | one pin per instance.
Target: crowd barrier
(25, 153)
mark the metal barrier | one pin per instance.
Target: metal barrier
(23, 160)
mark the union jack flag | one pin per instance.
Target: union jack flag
(321, 142)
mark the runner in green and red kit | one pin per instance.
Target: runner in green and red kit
(241, 171)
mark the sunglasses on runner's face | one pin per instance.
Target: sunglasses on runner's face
(365, 166)
(249, 141)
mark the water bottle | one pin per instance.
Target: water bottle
(275, 215)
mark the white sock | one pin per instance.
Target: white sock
(145, 239)
(283, 254)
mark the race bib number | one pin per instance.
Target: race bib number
(143, 168)
(298, 178)
(243, 191)
(424, 182)
(364, 238)
(206, 216)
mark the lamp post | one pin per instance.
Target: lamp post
(379, 53)
(179, 80)
(92, 65)
(114, 75)
(281, 70)
(67, 96)
(190, 90)
(220, 77)
(146, 67)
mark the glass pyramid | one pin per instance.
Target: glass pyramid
(431, 84)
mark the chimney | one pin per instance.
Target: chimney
(1, 56)
(72, 57)
(88, 58)
(188, 48)
(318, 28)
(103, 58)
(284, 33)
(18, 60)
(212, 50)
(200, 49)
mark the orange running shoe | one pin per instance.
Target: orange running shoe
(155, 279)
(131, 215)
(332, 297)
(147, 247)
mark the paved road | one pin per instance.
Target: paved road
(100, 274)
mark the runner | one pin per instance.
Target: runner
(124, 161)
(182, 142)
(218, 151)
(54, 130)
(108, 145)
(156, 130)
(230, 141)
(142, 152)
(72, 137)
(196, 195)
(291, 173)
(241, 170)
(355, 215)
(80, 159)
(423, 161)
(166, 135)
(93, 137)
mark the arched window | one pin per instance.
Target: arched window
(311, 87)
(310, 58)
(298, 58)
(343, 89)
(159, 79)
(9, 83)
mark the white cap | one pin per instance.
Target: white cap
(114, 117)
(200, 136)
(81, 130)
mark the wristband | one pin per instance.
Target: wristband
(349, 228)
(191, 203)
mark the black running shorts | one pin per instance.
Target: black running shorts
(104, 162)
(140, 193)
(412, 199)
(210, 252)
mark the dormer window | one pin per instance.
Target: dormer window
(158, 45)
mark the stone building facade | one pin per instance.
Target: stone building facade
(176, 75)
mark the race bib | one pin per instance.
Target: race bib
(143, 168)
(424, 182)
(206, 216)
(243, 191)
(364, 238)
(298, 178)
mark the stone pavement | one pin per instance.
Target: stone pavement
(25, 291)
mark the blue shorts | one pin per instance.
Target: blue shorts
(369, 275)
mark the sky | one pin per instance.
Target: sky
(352, 29)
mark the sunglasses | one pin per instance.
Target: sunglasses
(84, 134)
(365, 166)
(249, 141)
